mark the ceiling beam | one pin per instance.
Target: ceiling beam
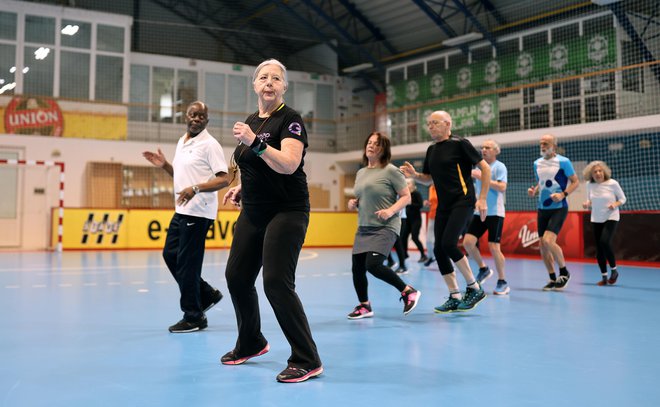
(468, 14)
(369, 25)
(439, 21)
(327, 41)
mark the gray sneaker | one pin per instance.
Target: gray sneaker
(484, 275)
(502, 288)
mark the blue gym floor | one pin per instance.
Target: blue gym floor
(90, 329)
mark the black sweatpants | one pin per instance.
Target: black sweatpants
(184, 254)
(273, 241)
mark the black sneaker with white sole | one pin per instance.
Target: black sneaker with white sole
(562, 282)
(212, 300)
(184, 326)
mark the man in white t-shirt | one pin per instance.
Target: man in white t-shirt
(199, 169)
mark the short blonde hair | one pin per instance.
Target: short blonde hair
(586, 173)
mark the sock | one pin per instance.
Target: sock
(553, 276)
(455, 294)
(474, 285)
(563, 271)
(604, 275)
(501, 281)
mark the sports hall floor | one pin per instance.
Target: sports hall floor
(90, 329)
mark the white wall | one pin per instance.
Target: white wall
(76, 153)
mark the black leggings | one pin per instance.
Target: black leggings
(604, 232)
(373, 263)
(449, 226)
(412, 227)
(274, 241)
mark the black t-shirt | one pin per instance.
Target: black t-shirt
(262, 187)
(450, 164)
(413, 211)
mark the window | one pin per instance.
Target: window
(109, 38)
(109, 78)
(215, 97)
(7, 61)
(75, 34)
(237, 98)
(305, 101)
(38, 76)
(162, 94)
(325, 103)
(186, 92)
(40, 30)
(74, 75)
(510, 120)
(139, 93)
(7, 25)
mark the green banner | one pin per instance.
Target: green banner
(473, 116)
(544, 62)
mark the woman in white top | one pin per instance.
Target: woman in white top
(604, 196)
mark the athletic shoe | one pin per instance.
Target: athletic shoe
(232, 357)
(422, 259)
(613, 277)
(361, 311)
(550, 286)
(562, 282)
(471, 298)
(484, 274)
(184, 326)
(296, 374)
(602, 282)
(213, 299)
(502, 288)
(401, 270)
(410, 299)
(451, 305)
(429, 261)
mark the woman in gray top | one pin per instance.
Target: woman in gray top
(380, 193)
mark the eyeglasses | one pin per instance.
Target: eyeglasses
(436, 122)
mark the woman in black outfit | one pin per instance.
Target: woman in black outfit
(271, 227)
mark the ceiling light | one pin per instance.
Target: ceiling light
(461, 39)
(358, 68)
(41, 53)
(70, 29)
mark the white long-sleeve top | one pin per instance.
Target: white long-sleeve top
(601, 195)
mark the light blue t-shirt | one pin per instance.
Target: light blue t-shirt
(494, 199)
(552, 177)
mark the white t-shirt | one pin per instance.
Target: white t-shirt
(601, 195)
(197, 161)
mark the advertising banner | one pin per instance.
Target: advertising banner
(520, 235)
(146, 229)
(43, 116)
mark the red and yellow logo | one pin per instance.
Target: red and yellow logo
(34, 116)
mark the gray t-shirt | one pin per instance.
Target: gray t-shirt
(376, 189)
